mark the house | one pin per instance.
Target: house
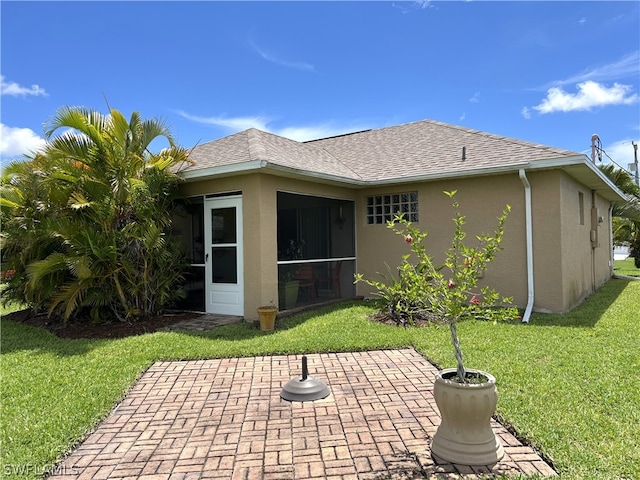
(264, 209)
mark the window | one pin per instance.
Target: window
(581, 207)
(383, 208)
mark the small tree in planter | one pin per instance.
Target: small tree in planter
(449, 293)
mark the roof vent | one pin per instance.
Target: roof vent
(464, 153)
(304, 388)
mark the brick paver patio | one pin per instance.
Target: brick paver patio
(224, 419)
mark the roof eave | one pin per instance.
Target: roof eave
(221, 171)
(431, 177)
(579, 167)
(291, 172)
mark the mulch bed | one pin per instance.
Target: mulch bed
(88, 329)
(388, 319)
(85, 328)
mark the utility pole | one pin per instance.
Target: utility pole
(635, 160)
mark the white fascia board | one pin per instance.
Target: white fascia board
(580, 161)
(306, 174)
(476, 172)
(255, 165)
(359, 183)
(557, 162)
(222, 171)
(276, 169)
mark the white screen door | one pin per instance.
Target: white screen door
(224, 266)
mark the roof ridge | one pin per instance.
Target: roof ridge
(460, 128)
(394, 153)
(499, 137)
(256, 148)
(340, 135)
(345, 165)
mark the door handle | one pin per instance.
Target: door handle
(206, 257)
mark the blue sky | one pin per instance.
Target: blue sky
(546, 72)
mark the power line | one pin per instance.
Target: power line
(601, 150)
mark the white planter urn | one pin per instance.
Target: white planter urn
(465, 435)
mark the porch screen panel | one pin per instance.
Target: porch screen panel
(224, 266)
(315, 232)
(223, 225)
(224, 251)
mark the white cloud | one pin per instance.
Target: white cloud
(589, 95)
(314, 132)
(526, 112)
(279, 61)
(16, 90)
(15, 142)
(475, 98)
(407, 7)
(234, 124)
(627, 66)
(463, 116)
(298, 133)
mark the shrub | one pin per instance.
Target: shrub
(448, 292)
(87, 221)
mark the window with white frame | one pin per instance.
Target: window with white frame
(383, 208)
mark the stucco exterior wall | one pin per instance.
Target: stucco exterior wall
(566, 268)
(260, 236)
(585, 263)
(481, 201)
(604, 252)
(547, 240)
(259, 203)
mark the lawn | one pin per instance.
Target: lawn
(626, 267)
(568, 384)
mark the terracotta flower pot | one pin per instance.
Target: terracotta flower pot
(267, 316)
(465, 435)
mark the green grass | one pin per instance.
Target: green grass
(626, 267)
(568, 383)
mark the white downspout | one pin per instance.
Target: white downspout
(611, 246)
(529, 233)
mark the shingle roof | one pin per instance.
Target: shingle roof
(256, 145)
(430, 147)
(393, 153)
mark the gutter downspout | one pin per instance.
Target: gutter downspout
(529, 234)
(611, 246)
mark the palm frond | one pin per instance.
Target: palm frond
(70, 145)
(153, 129)
(52, 264)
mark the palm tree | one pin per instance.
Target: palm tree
(626, 224)
(87, 222)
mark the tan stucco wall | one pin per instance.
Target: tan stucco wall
(562, 253)
(604, 252)
(563, 270)
(259, 204)
(585, 266)
(481, 201)
(260, 238)
(547, 241)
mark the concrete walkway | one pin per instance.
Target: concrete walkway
(205, 321)
(224, 419)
